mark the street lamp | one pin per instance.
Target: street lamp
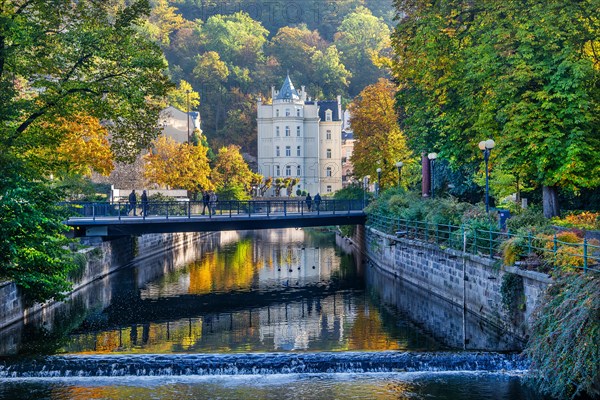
(187, 92)
(399, 165)
(365, 187)
(378, 181)
(432, 157)
(486, 147)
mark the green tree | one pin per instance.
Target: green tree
(178, 97)
(470, 71)
(330, 75)
(210, 70)
(360, 38)
(60, 59)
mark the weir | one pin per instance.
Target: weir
(261, 364)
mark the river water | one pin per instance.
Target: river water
(274, 314)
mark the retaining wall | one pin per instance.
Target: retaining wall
(441, 271)
(103, 258)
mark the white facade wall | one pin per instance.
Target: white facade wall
(308, 135)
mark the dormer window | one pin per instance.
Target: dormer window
(328, 115)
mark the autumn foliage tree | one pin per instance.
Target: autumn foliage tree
(379, 141)
(230, 170)
(178, 166)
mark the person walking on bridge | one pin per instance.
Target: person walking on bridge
(144, 204)
(213, 203)
(317, 201)
(205, 202)
(133, 202)
(308, 202)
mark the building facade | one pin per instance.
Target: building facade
(300, 138)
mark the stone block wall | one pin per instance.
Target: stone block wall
(103, 257)
(441, 271)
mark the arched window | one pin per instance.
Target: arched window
(288, 170)
(277, 112)
(297, 112)
(277, 170)
(298, 170)
(298, 130)
(287, 112)
(277, 152)
(328, 115)
(277, 131)
(287, 131)
(298, 151)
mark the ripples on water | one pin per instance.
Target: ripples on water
(262, 292)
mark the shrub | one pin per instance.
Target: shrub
(513, 249)
(531, 220)
(584, 220)
(563, 347)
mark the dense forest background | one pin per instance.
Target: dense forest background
(231, 52)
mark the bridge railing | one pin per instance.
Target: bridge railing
(195, 209)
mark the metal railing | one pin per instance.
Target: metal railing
(195, 209)
(548, 250)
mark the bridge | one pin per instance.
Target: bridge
(121, 219)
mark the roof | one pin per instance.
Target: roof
(332, 105)
(287, 91)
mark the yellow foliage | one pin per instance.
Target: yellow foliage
(179, 166)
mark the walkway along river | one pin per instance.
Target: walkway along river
(263, 314)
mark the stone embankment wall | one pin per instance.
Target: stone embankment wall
(103, 258)
(441, 271)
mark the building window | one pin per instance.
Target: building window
(328, 171)
(277, 152)
(298, 130)
(288, 151)
(298, 151)
(277, 112)
(298, 170)
(297, 112)
(287, 131)
(328, 115)
(277, 131)
(328, 153)
(287, 112)
(328, 188)
(277, 170)
(328, 135)
(288, 170)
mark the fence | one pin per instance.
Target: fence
(529, 249)
(191, 209)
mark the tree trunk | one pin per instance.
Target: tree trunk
(550, 200)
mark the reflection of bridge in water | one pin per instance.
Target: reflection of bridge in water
(119, 219)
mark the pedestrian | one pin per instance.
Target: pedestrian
(308, 202)
(213, 202)
(133, 202)
(205, 202)
(144, 204)
(317, 201)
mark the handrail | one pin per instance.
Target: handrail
(487, 243)
(195, 209)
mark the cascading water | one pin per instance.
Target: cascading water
(261, 364)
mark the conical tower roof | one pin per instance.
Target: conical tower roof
(287, 91)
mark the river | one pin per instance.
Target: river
(273, 314)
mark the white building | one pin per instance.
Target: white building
(178, 124)
(298, 137)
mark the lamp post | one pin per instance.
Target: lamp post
(378, 181)
(187, 92)
(399, 165)
(432, 157)
(486, 147)
(365, 187)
